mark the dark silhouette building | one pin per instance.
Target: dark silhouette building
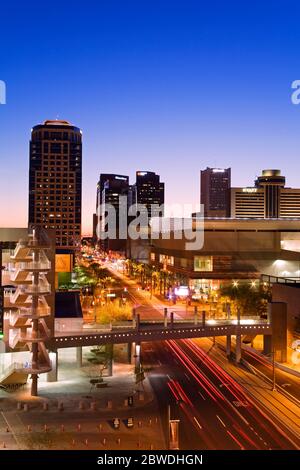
(148, 190)
(215, 192)
(109, 189)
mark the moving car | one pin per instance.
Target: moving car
(116, 423)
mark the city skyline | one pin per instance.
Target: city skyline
(193, 88)
(150, 232)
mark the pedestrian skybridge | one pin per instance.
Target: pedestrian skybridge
(158, 331)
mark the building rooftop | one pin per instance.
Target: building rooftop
(56, 122)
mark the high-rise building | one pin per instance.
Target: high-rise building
(55, 180)
(267, 199)
(109, 189)
(148, 190)
(215, 191)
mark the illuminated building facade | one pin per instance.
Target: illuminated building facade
(55, 181)
(267, 199)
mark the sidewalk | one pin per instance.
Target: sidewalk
(77, 417)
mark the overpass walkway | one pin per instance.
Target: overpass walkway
(157, 331)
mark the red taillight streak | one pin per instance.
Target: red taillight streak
(263, 415)
(196, 373)
(235, 440)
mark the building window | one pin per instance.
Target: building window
(203, 263)
(152, 256)
(162, 258)
(170, 260)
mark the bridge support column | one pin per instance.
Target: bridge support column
(109, 353)
(165, 317)
(203, 318)
(138, 321)
(129, 353)
(267, 344)
(79, 356)
(228, 345)
(52, 375)
(172, 319)
(238, 348)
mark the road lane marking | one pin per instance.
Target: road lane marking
(197, 422)
(187, 377)
(202, 396)
(222, 422)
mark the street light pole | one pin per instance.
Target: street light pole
(274, 371)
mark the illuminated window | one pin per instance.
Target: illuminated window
(152, 256)
(203, 263)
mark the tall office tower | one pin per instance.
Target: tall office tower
(215, 191)
(55, 179)
(267, 199)
(109, 188)
(271, 182)
(148, 190)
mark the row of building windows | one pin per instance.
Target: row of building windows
(200, 263)
(46, 135)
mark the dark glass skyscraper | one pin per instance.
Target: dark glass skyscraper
(148, 190)
(215, 192)
(109, 188)
(55, 180)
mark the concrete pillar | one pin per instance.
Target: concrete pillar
(79, 356)
(138, 321)
(228, 345)
(238, 348)
(278, 314)
(172, 319)
(165, 317)
(203, 318)
(53, 374)
(109, 353)
(267, 344)
(129, 353)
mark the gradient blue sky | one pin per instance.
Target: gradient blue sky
(168, 86)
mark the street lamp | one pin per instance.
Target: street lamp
(274, 371)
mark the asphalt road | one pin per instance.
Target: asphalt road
(214, 411)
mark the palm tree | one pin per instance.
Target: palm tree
(250, 300)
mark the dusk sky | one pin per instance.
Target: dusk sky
(168, 86)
